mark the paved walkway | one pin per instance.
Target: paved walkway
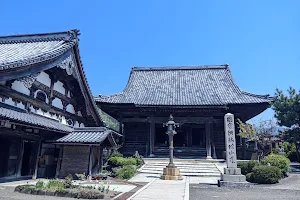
(163, 190)
(177, 190)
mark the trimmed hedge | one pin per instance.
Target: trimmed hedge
(276, 160)
(120, 161)
(126, 172)
(247, 166)
(264, 175)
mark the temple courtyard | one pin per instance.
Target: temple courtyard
(200, 179)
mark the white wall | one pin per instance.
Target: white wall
(70, 108)
(59, 87)
(9, 101)
(40, 112)
(57, 103)
(81, 125)
(19, 86)
(76, 124)
(63, 120)
(20, 105)
(44, 78)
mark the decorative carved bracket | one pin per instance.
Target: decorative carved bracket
(28, 80)
(69, 65)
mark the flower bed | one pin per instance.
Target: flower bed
(63, 189)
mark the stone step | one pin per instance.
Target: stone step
(208, 174)
(183, 164)
(182, 167)
(184, 171)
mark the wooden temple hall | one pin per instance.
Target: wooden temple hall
(197, 97)
(50, 125)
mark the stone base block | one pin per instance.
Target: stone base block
(171, 173)
(233, 178)
(168, 177)
(232, 171)
(151, 155)
(233, 184)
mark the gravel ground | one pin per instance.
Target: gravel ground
(208, 192)
(288, 188)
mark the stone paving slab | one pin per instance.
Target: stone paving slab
(144, 177)
(163, 190)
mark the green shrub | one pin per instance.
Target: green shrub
(115, 153)
(55, 185)
(40, 184)
(290, 151)
(68, 181)
(279, 161)
(265, 174)
(84, 193)
(249, 177)
(81, 177)
(139, 159)
(120, 161)
(126, 172)
(129, 161)
(247, 166)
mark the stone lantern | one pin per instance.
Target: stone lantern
(171, 172)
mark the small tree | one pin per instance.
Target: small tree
(287, 112)
(260, 132)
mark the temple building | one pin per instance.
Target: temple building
(197, 97)
(50, 125)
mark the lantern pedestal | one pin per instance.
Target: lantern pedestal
(171, 173)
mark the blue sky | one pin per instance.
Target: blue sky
(259, 39)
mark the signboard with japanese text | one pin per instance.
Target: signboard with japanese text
(230, 141)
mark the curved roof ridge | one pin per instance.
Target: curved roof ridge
(110, 95)
(196, 67)
(40, 37)
(210, 86)
(266, 96)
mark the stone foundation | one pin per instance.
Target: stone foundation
(171, 173)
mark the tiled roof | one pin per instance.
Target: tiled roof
(33, 119)
(182, 86)
(18, 53)
(88, 135)
(22, 50)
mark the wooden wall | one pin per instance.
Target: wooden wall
(136, 138)
(75, 159)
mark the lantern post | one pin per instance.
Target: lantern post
(170, 172)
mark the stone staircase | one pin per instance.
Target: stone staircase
(194, 168)
(181, 152)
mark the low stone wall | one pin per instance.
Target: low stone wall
(75, 159)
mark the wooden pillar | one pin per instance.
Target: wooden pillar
(151, 136)
(34, 176)
(121, 127)
(101, 160)
(90, 162)
(190, 130)
(61, 149)
(213, 141)
(21, 158)
(208, 139)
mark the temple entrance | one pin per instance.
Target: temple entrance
(161, 138)
(9, 155)
(28, 158)
(198, 137)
